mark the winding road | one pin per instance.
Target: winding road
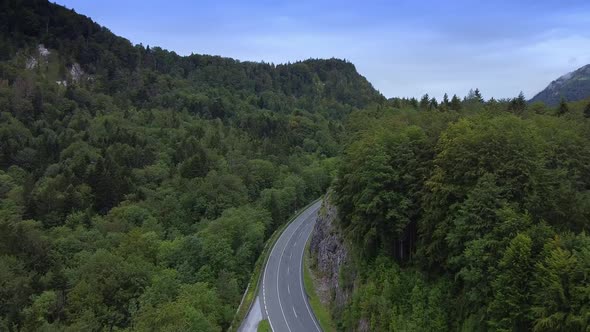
(283, 299)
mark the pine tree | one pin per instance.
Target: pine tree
(424, 102)
(478, 95)
(587, 111)
(455, 103)
(563, 108)
(446, 99)
(518, 104)
(433, 104)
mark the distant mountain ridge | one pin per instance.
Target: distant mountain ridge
(24, 24)
(572, 86)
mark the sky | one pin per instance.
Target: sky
(404, 48)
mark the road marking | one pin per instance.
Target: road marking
(295, 312)
(264, 290)
(288, 289)
(303, 292)
(266, 272)
(278, 270)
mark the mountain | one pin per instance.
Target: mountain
(115, 62)
(573, 86)
(138, 186)
(138, 189)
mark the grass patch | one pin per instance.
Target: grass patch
(264, 326)
(255, 280)
(321, 312)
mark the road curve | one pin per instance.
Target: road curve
(284, 301)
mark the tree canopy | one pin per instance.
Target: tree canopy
(474, 220)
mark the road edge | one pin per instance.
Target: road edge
(326, 326)
(259, 266)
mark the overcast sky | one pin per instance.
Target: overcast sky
(405, 48)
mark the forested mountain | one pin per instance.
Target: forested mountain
(572, 86)
(148, 76)
(469, 219)
(138, 186)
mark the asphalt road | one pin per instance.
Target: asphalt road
(284, 301)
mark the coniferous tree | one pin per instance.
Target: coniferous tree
(455, 103)
(521, 100)
(518, 104)
(563, 109)
(424, 102)
(446, 101)
(587, 111)
(478, 95)
(433, 104)
(396, 102)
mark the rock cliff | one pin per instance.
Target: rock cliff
(331, 260)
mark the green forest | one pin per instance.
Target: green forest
(138, 188)
(471, 217)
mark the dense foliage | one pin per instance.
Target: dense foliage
(137, 187)
(472, 220)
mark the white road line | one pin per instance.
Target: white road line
(278, 269)
(295, 312)
(278, 294)
(264, 290)
(288, 289)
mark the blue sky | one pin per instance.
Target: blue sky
(405, 48)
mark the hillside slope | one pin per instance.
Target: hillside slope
(461, 221)
(137, 186)
(573, 86)
(116, 63)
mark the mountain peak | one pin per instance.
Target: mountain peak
(572, 86)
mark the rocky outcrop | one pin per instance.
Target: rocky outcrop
(31, 63)
(330, 257)
(43, 51)
(42, 55)
(76, 72)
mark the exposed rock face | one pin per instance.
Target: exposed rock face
(330, 257)
(42, 56)
(76, 72)
(31, 63)
(43, 51)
